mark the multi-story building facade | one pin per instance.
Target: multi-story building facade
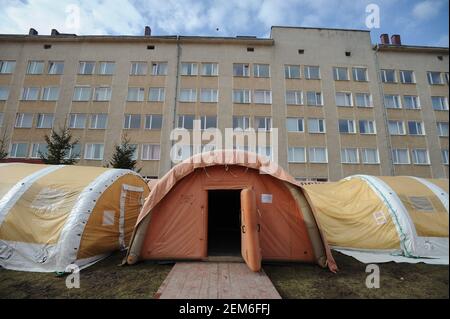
(341, 105)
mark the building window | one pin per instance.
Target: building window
(241, 122)
(420, 156)
(411, 102)
(241, 69)
(294, 124)
(388, 76)
(241, 96)
(294, 97)
(340, 74)
(107, 68)
(263, 97)
(45, 121)
(30, 94)
(37, 149)
(446, 76)
(73, 152)
(86, 68)
(55, 67)
(318, 155)
(77, 120)
(349, 156)
(435, 78)
(261, 70)
(153, 122)
(392, 102)
(370, 156)
(292, 71)
(314, 98)
(210, 69)
(132, 121)
(7, 67)
(347, 126)
(94, 151)
(209, 95)
(35, 67)
(82, 93)
(1, 119)
(150, 152)
(442, 128)
(363, 100)
(296, 155)
(24, 120)
(444, 154)
(207, 122)
(316, 125)
(135, 94)
(439, 103)
(367, 127)
(4, 93)
(50, 93)
(102, 94)
(138, 68)
(416, 128)
(186, 122)
(359, 74)
(159, 68)
(183, 152)
(189, 69)
(188, 95)
(263, 123)
(98, 121)
(396, 127)
(18, 150)
(156, 94)
(400, 156)
(344, 99)
(312, 72)
(264, 151)
(407, 77)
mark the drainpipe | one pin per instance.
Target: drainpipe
(177, 80)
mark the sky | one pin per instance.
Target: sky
(419, 22)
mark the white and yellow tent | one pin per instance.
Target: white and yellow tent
(53, 216)
(400, 215)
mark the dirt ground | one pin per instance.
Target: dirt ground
(107, 280)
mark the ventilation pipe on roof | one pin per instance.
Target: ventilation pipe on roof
(54, 32)
(32, 32)
(384, 38)
(148, 31)
(396, 40)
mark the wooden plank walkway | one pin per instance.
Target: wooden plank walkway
(210, 280)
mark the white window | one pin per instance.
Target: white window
(186, 122)
(392, 102)
(207, 122)
(136, 94)
(24, 120)
(400, 156)
(107, 68)
(416, 128)
(261, 70)
(411, 102)
(102, 94)
(263, 96)
(359, 74)
(241, 96)
(18, 150)
(74, 152)
(4, 93)
(50, 93)
(363, 100)
(265, 151)
(98, 121)
(132, 121)
(370, 156)
(407, 76)
(347, 126)
(45, 121)
(263, 123)
(94, 151)
(294, 97)
(314, 98)
(86, 68)
(294, 124)
(30, 94)
(156, 94)
(210, 69)
(188, 95)
(82, 93)
(312, 72)
(209, 95)
(340, 74)
(296, 155)
(349, 156)
(1, 119)
(153, 122)
(138, 68)
(241, 122)
(292, 71)
(316, 125)
(318, 155)
(439, 103)
(189, 68)
(442, 128)
(55, 67)
(241, 69)
(7, 67)
(159, 68)
(446, 75)
(150, 152)
(35, 67)
(420, 156)
(77, 120)
(396, 127)
(367, 127)
(435, 78)
(37, 149)
(388, 76)
(344, 99)
(444, 155)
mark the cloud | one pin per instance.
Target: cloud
(426, 10)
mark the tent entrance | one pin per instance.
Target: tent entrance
(224, 234)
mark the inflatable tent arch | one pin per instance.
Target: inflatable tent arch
(190, 207)
(55, 215)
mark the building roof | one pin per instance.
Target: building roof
(410, 48)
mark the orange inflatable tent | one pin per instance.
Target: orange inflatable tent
(228, 203)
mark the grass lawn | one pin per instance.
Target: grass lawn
(107, 280)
